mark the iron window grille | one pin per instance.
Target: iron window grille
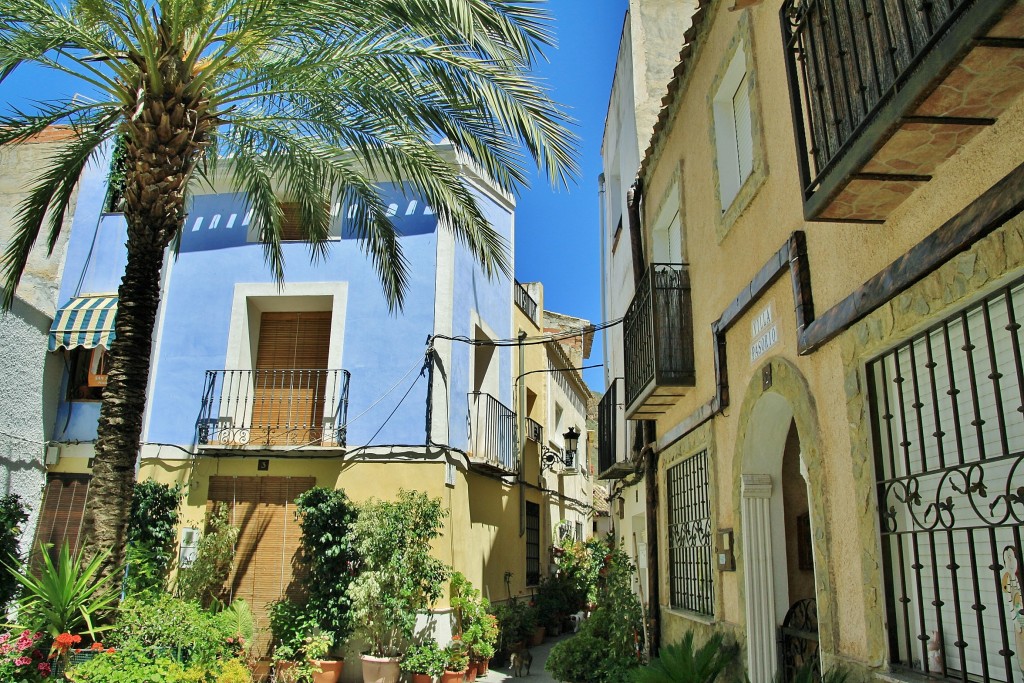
(532, 544)
(689, 529)
(948, 444)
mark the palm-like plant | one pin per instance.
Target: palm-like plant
(63, 597)
(683, 662)
(311, 99)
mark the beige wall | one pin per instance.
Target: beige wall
(825, 389)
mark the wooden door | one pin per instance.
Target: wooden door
(266, 566)
(290, 378)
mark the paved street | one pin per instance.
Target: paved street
(537, 672)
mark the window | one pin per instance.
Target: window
(667, 235)
(949, 442)
(87, 373)
(689, 528)
(579, 531)
(733, 128)
(532, 544)
(60, 518)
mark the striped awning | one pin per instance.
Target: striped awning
(84, 321)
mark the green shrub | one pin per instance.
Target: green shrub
(234, 671)
(328, 551)
(586, 659)
(290, 623)
(605, 649)
(152, 532)
(425, 658)
(161, 620)
(203, 581)
(516, 622)
(399, 575)
(12, 516)
(133, 664)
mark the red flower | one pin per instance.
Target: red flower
(109, 650)
(96, 646)
(44, 668)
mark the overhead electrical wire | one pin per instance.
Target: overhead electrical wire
(530, 341)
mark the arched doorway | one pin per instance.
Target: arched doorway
(779, 582)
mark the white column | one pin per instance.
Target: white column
(758, 579)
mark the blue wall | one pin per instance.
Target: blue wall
(491, 298)
(217, 252)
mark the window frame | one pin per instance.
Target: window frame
(688, 505)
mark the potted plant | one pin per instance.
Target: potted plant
(290, 624)
(477, 628)
(327, 550)
(481, 638)
(398, 576)
(316, 648)
(425, 662)
(457, 661)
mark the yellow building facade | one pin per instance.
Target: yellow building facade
(829, 217)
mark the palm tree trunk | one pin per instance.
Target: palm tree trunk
(120, 424)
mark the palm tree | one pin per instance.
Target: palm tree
(299, 97)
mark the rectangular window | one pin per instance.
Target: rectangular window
(60, 519)
(948, 445)
(734, 140)
(532, 544)
(579, 531)
(689, 546)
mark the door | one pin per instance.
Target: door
(290, 378)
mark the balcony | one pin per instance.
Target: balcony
(611, 447)
(264, 409)
(884, 91)
(657, 337)
(492, 435)
(525, 302)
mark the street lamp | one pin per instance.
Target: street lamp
(568, 459)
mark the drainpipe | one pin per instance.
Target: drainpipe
(521, 433)
(647, 428)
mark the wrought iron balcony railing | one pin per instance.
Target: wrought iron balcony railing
(657, 333)
(525, 302)
(857, 67)
(492, 434)
(263, 408)
(612, 462)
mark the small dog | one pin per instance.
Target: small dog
(521, 659)
(576, 620)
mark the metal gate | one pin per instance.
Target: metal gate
(798, 641)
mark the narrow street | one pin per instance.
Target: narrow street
(538, 674)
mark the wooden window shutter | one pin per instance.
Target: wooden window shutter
(291, 222)
(61, 516)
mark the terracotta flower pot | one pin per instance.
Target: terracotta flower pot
(260, 669)
(538, 636)
(380, 669)
(454, 676)
(330, 670)
(482, 666)
(471, 673)
(422, 678)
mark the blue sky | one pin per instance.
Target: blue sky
(557, 232)
(557, 238)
